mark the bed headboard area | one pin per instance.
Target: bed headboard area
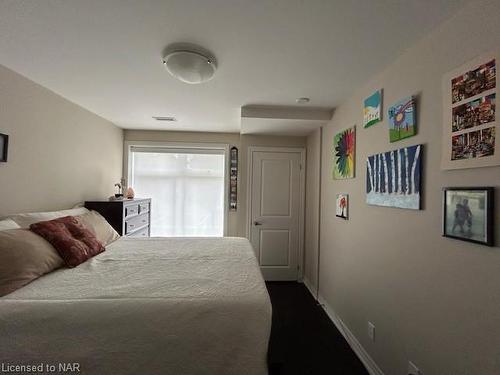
(59, 153)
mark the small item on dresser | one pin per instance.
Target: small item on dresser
(120, 191)
(74, 242)
(130, 193)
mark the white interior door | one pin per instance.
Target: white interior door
(276, 197)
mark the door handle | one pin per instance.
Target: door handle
(257, 223)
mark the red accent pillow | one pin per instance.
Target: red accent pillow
(74, 242)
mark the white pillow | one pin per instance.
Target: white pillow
(8, 224)
(25, 220)
(103, 231)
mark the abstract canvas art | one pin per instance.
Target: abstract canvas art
(344, 145)
(342, 206)
(402, 122)
(393, 178)
(372, 111)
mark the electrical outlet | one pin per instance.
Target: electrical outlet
(412, 369)
(371, 331)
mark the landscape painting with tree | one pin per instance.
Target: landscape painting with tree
(393, 178)
(402, 122)
(342, 206)
(344, 145)
(372, 110)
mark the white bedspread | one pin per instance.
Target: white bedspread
(145, 307)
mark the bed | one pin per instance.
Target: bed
(145, 306)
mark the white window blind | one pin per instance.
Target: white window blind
(186, 187)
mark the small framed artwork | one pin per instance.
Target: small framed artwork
(342, 206)
(468, 214)
(344, 154)
(372, 109)
(4, 146)
(402, 122)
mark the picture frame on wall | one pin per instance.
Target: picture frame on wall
(402, 119)
(4, 147)
(344, 154)
(342, 206)
(470, 123)
(468, 214)
(372, 109)
(394, 178)
(233, 178)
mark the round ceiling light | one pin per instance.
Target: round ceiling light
(190, 65)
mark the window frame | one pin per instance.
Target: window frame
(182, 147)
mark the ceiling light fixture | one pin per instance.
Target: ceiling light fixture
(302, 100)
(189, 63)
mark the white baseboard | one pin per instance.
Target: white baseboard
(309, 286)
(353, 342)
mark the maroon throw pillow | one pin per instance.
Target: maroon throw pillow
(74, 242)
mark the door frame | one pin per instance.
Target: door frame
(302, 195)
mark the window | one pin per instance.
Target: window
(187, 187)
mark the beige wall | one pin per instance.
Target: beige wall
(179, 136)
(312, 209)
(433, 300)
(237, 220)
(59, 153)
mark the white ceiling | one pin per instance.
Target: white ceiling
(105, 55)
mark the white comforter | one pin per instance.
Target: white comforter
(145, 306)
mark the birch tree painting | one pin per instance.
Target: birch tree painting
(393, 178)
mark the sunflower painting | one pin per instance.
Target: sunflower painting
(344, 144)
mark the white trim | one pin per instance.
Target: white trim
(302, 194)
(307, 283)
(320, 192)
(127, 145)
(370, 365)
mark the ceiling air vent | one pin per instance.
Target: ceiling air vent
(165, 118)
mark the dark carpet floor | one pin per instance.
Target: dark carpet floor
(304, 341)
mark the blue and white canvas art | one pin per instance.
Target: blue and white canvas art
(393, 178)
(372, 111)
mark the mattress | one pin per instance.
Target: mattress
(145, 306)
